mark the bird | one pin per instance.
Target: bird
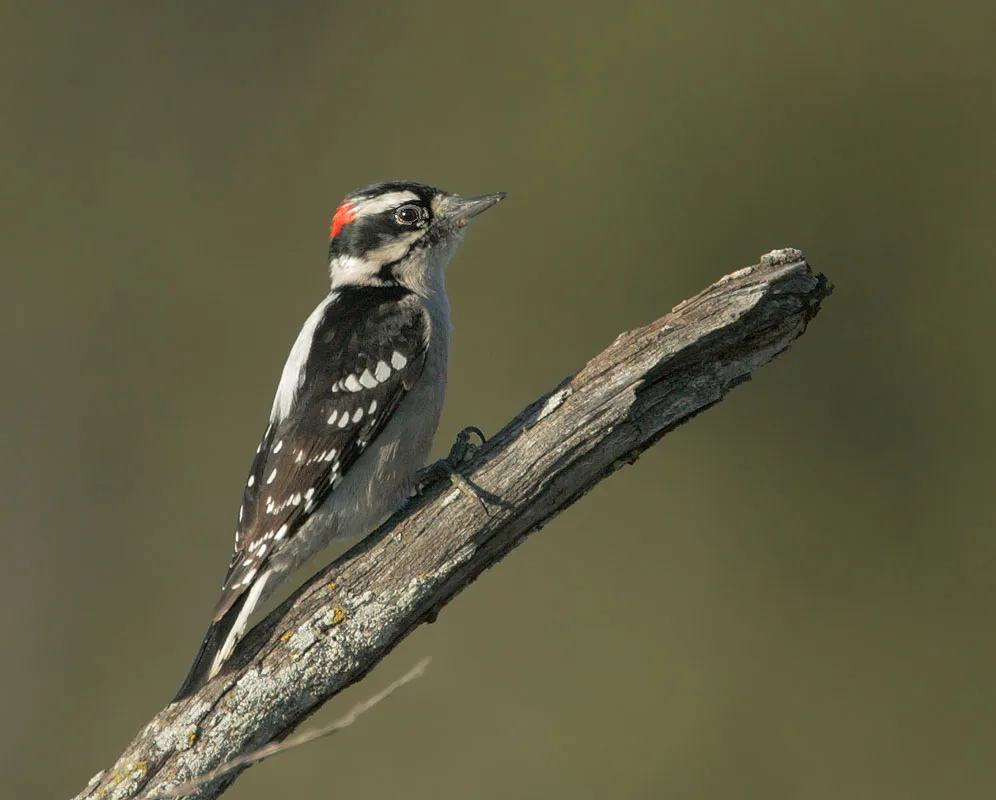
(357, 403)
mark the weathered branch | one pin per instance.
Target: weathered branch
(298, 739)
(351, 614)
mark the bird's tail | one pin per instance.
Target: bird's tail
(221, 636)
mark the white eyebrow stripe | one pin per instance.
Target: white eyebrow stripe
(375, 205)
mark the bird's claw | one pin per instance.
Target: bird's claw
(462, 451)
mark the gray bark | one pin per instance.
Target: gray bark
(340, 624)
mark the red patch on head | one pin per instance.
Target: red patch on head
(343, 216)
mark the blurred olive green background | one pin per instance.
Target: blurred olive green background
(790, 597)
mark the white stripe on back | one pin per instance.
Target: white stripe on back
(292, 377)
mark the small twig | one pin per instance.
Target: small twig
(296, 741)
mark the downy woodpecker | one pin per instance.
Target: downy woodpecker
(358, 400)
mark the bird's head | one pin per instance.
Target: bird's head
(399, 232)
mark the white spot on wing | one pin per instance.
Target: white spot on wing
(282, 532)
(398, 361)
(373, 407)
(352, 384)
(278, 446)
(368, 380)
(251, 481)
(382, 372)
(272, 476)
(358, 415)
(344, 420)
(332, 417)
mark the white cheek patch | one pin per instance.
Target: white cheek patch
(346, 270)
(395, 250)
(351, 269)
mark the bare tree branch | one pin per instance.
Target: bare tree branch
(333, 631)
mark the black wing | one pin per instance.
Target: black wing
(367, 351)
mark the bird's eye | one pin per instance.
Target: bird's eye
(408, 215)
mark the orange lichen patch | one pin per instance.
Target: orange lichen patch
(119, 776)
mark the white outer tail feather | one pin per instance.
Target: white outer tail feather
(241, 621)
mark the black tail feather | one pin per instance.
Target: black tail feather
(212, 643)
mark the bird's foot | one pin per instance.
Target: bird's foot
(462, 451)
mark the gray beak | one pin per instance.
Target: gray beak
(458, 211)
